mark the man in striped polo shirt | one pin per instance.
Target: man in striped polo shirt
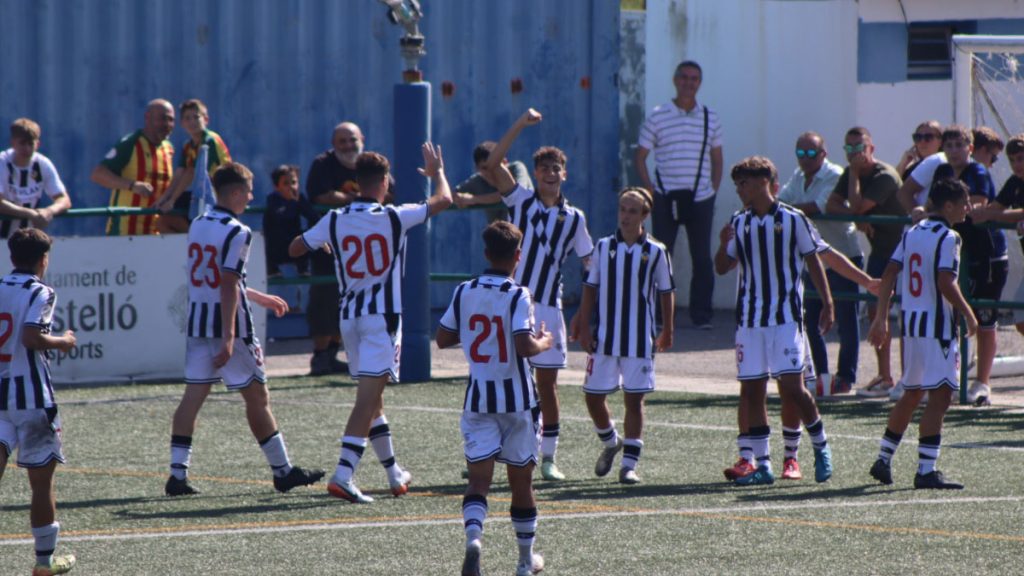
(686, 138)
(222, 343)
(28, 409)
(492, 316)
(138, 170)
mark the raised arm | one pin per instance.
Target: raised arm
(493, 169)
(433, 167)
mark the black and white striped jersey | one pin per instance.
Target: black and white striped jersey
(627, 277)
(368, 244)
(487, 313)
(927, 248)
(24, 374)
(549, 234)
(218, 244)
(24, 186)
(770, 251)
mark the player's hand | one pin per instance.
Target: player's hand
(222, 357)
(878, 335)
(164, 204)
(828, 316)
(277, 305)
(142, 188)
(530, 117)
(463, 200)
(67, 341)
(586, 340)
(874, 286)
(544, 338)
(727, 233)
(574, 327)
(664, 341)
(41, 218)
(917, 214)
(972, 325)
(433, 161)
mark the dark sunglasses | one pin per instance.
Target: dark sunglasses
(809, 153)
(995, 158)
(923, 137)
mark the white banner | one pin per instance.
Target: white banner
(127, 301)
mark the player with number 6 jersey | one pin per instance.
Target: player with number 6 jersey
(222, 345)
(367, 241)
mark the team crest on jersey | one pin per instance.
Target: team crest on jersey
(611, 253)
(645, 257)
(562, 215)
(645, 369)
(778, 227)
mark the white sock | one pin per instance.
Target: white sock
(277, 454)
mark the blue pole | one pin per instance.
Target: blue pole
(412, 129)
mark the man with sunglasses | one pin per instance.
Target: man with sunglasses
(869, 186)
(809, 189)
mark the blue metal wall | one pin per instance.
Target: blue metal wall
(278, 75)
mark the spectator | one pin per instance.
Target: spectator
(282, 220)
(194, 118)
(687, 142)
(984, 251)
(138, 170)
(809, 189)
(478, 185)
(987, 146)
(331, 182)
(869, 186)
(25, 175)
(927, 141)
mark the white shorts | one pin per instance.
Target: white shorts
(36, 434)
(770, 351)
(554, 322)
(927, 365)
(606, 374)
(373, 344)
(243, 368)
(510, 437)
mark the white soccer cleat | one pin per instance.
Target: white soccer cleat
(400, 484)
(979, 394)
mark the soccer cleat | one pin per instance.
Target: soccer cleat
(347, 491)
(179, 487)
(882, 471)
(822, 463)
(535, 566)
(761, 477)
(979, 394)
(628, 476)
(400, 485)
(897, 391)
(549, 471)
(791, 470)
(841, 385)
(297, 477)
(606, 459)
(59, 565)
(934, 480)
(741, 468)
(471, 563)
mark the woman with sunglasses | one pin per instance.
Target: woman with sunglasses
(927, 141)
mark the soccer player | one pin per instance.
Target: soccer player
(492, 317)
(773, 243)
(367, 240)
(929, 257)
(28, 409)
(25, 175)
(222, 344)
(625, 272)
(551, 229)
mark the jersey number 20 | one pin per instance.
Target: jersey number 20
(363, 247)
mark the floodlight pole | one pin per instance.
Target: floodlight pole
(411, 130)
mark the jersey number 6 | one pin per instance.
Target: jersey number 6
(914, 281)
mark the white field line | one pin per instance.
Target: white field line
(740, 512)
